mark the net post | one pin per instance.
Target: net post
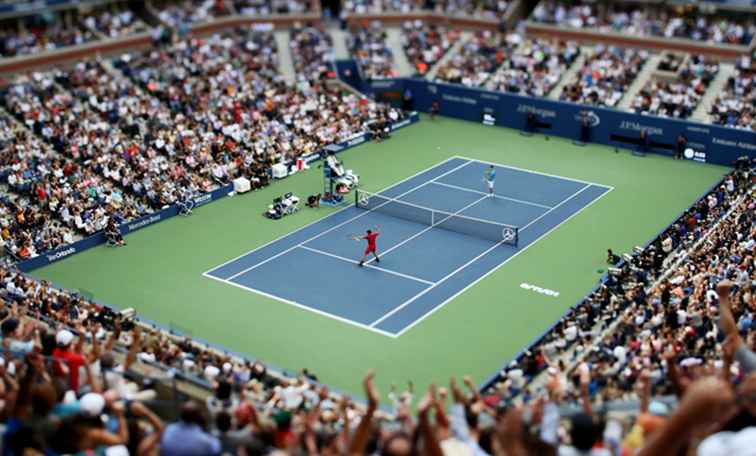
(357, 197)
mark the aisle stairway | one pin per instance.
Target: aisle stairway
(340, 48)
(454, 50)
(285, 61)
(569, 76)
(726, 71)
(403, 67)
(640, 81)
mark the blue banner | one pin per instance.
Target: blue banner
(709, 143)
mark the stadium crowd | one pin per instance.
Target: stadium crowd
(132, 138)
(605, 76)
(368, 45)
(51, 201)
(488, 9)
(478, 59)
(113, 23)
(33, 37)
(312, 52)
(535, 67)
(180, 14)
(677, 98)
(649, 20)
(672, 333)
(659, 299)
(425, 44)
(736, 105)
(94, 144)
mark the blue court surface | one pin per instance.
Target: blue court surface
(423, 266)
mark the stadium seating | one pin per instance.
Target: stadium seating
(649, 329)
(312, 50)
(605, 76)
(110, 139)
(478, 59)
(368, 45)
(736, 107)
(425, 44)
(535, 67)
(649, 20)
(679, 97)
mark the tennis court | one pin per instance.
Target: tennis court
(441, 233)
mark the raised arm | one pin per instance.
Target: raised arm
(362, 434)
(644, 390)
(431, 446)
(135, 342)
(704, 401)
(726, 319)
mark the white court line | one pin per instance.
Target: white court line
(433, 225)
(491, 271)
(552, 209)
(536, 172)
(387, 271)
(303, 307)
(448, 276)
(329, 215)
(412, 299)
(465, 189)
(341, 224)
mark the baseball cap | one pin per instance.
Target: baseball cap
(64, 337)
(92, 404)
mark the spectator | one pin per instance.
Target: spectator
(187, 436)
(368, 45)
(605, 76)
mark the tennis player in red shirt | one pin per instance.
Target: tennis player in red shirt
(370, 237)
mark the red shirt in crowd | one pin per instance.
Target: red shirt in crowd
(71, 359)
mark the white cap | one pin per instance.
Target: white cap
(64, 337)
(211, 372)
(92, 404)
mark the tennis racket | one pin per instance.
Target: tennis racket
(353, 237)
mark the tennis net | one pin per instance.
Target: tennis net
(471, 226)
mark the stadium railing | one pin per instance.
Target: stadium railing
(726, 51)
(115, 46)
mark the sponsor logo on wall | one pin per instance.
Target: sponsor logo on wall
(593, 119)
(203, 199)
(732, 143)
(489, 96)
(456, 99)
(433, 89)
(142, 223)
(355, 141)
(333, 148)
(635, 126)
(695, 155)
(62, 254)
(401, 124)
(531, 109)
(382, 84)
(697, 129)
